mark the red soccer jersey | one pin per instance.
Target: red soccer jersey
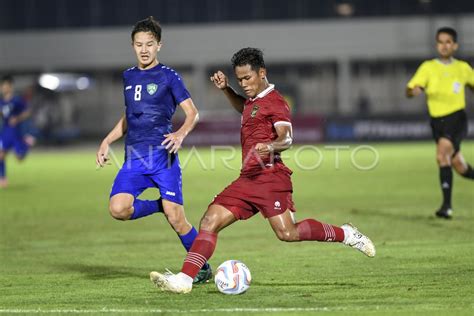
(259, 118)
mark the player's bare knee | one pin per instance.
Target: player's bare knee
(206, 222)
(286, 235)
(119, 210)
(2, 155)
(443, 159)
(209, 223)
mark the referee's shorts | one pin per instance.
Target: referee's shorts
(452, 126)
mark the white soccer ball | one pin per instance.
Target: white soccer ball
(232, 277)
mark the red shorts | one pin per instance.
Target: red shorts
(268, 193)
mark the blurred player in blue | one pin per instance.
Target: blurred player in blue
(152, 91)
(13, 112)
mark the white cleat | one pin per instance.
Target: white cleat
(175, 283)
(357, 240)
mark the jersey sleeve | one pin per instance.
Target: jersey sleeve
(470, 76)
(280, 114)
(420, 78)
(178, 89)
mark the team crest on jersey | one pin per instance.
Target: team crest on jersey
(254, 110)
(151, 88)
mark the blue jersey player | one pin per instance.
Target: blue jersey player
(152, 91)
(13, 111)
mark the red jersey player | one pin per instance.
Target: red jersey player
(264, 184)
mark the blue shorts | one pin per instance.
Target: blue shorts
(10, 139)
(137, 175)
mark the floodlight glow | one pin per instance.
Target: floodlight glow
(82, 83)
(49, 81)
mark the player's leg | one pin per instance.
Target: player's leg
(21, 148)
(3, 172)
(287, 229)
(123, 204)
(444, 153)
(186, 232)
(168, 180)
(215, 219)
(462, 167)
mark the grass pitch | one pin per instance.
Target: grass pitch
(61, 252)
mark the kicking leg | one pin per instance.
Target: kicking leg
(287, 229)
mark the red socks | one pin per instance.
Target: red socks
(201, 250)
(205, 243)
(310, 229)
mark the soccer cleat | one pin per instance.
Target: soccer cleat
(445, 212)
(203, 276)
(355, 239)
(171, 282)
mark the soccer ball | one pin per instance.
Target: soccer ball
(232, 277)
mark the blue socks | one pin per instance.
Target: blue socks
(144, 208)
(187, 241)
(2, 168)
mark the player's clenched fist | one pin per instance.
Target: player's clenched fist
(219, 79)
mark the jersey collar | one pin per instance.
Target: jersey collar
(451, 61)
(270, 88)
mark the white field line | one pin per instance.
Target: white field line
(216, 310)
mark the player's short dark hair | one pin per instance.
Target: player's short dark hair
(448, 30)
(249, 56)
(7, 78)
(148, 25)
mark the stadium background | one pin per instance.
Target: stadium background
(342, 65)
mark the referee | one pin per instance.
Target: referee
(442, 80)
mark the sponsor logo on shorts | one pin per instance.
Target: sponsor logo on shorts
(128, 88)
(277, 205)
(170, 193)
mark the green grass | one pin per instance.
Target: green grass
(61, 252)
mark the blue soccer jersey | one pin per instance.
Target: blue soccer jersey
(11, 136)
(10, 108)
(151, 97)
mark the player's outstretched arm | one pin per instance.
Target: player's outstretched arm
(220, 81)
(174, 140)
(413, 92)
(116, 133)
(283, 141)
